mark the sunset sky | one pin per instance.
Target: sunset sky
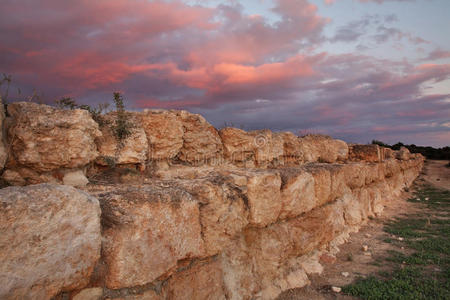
(354, 69)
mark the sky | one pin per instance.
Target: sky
(357, 70)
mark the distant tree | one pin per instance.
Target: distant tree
(397, 146)
(380, 143)
(427, 151)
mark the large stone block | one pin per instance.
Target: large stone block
(44, 138)
(391, 167)
(263, 196)
(253, 148)
(50, 240)
(238, 145)
(146, 230)
(272, 248)
(292, 152)
(388, 153)
(322, 183)
(201, 141)
(238, 272)
(320, 148)
(223, 211)
(403, 154)
(297, 192)
(164, 132)
(132, 150)
(367, 153)
(355, 174)
(296, 237)
(375, 172)
(203, 280)
(356, 207)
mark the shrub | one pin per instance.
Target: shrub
(66, 103)
(122, 126)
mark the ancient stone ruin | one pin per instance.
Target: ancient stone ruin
(177, 209)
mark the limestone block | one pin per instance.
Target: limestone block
(50, 240)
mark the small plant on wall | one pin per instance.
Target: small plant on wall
(122, 126)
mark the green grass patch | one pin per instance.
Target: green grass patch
(407, 283)
(423, 273)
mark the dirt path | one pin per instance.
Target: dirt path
(352, 261)
(437, 174)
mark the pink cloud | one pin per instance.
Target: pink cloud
(438, 54)
(228, 76)
(382, 1)
(417, 113)
(330, 2)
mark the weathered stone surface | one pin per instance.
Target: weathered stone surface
(184, 172)
(297, 236)
(164, 132)
(146, 230)
(280, 142)
(24, 176)
(13, 178)
(203, 280)
(249, 149)
(89, 294)
(355, 174)
(238, 145)
(3, 152)
(374, 172)
(50, 240)
(273, 250)
(44, 138)
(132, 150)
(297, 192)
(75, 178)
(388, 153)
(263, 147)
(263, 196)
(391, 167)
(310, 263)
(403, 154)
(238, 273)
(335, 150)
(146, 295)
(291, 153)
(368, 153)
(339, 186)
(353, 210)
(322, 183)
(223, 212)
(292, 280)
(378, 196)
(323, 149)
(201, 141)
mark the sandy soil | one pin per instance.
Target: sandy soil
(435, 173)
(359, 263)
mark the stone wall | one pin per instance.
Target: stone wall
(210, 214)
(61, 146)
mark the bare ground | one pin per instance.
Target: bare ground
(352, 259)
